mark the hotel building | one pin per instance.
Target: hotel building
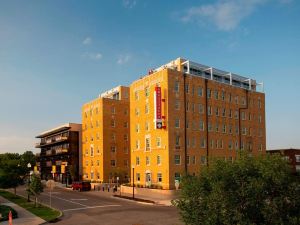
(183, 113)
(105, 137)
(60, 156)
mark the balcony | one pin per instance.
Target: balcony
(51, 141)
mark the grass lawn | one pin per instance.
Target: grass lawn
(41, 211)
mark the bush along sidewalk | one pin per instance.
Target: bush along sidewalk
(4, 211)
(44, 212)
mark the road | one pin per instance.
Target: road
(102, 208)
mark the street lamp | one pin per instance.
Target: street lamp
(132, 181)
(29, 167)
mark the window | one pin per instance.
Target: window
(158, 142)
(202, 143)
(147, 126)
(92, 175)
(230, 97)
(147, 92)
(201, 125)
(177, 104)
(147, 144)
(146, 108)
(260, 147)
(176, 86)
(243, 116)
(177, 140)
(177, 123)
(159, 177)
(136, 95)
(177, 159)
(86, 162)
(125, 137)
(147, 160)
(126, 163)
(230, 129)
(208, 93)
(203, 160)
(138, 177)
(137, 144)
(259, 103)
(193, 107)
(187, 106)
(223, 95)
(224, 112)
(194, 159)
(158, 160)
(188, 160)
(236, 99)
(200, 91)
(126, 150)
(209, 111)
(216, 94)
(297, 158)
(113, 149)
(243, 99)
(236, 114)
(98, 150)
(113, 162)
(224, 129)
(259, 118)
(230, 144)
(137, 161)
(236, 129)
(211, 143)
(244, 130)
(193, 90)
(137, 111)
(97, 123)
(97, 136)
(137, 128)
(98, 162)
(113, 110)
(217, 127)
(217, 111)
(92, 151)
(230, 113)
(187, 124)
(201, 108)
(126, 124)
(112, 123)
(187, 88)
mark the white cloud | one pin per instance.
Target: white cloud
(87, 41)
(122, 59)
(129, 4)
(226, 15)
(93, 56)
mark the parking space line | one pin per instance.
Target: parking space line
(66, 200)
(91, 207)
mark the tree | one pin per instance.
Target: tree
(10, 172)
(35, 187)
(13, 168)
(254, 191)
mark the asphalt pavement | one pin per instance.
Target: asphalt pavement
(95, 207)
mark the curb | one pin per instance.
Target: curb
(56, 219)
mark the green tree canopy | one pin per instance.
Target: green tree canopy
(250, 190)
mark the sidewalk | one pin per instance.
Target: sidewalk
(24, 217)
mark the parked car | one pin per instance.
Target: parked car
(81, 185)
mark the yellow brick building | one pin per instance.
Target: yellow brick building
(184, 113)
(105, 137)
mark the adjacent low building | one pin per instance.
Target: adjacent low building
(60, 155)
(105, 137)
(292, 155)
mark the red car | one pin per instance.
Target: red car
(81, 185)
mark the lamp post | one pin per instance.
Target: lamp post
(29, 167)
(132, 181)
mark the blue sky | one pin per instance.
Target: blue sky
(56, 55)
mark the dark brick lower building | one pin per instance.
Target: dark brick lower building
(290, 154)
(60, 155)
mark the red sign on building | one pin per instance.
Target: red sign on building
(158, 110)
